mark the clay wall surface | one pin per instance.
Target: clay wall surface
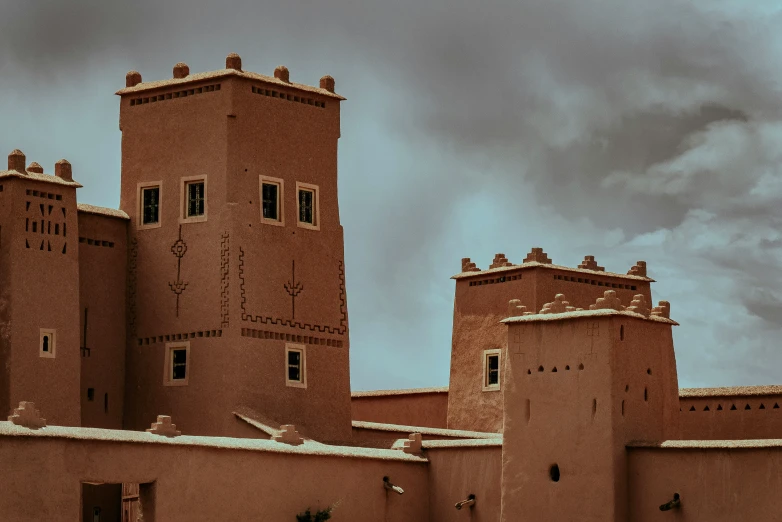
(719, 484)
(44, 279)
(455, 473)
(480, 304)
(289, 280)
(8, 202)
(175, 273)
(577, 390)
(414, 409)
(102, 282)
(562, 418)
(247, 480)
(731, 417)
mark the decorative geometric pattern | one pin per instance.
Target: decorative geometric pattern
(291, 338)
(268, 319)
(179, 249)
(293, 288)
(178, 337)
(225, 257)
(132, 277)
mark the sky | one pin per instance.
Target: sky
(624, 129)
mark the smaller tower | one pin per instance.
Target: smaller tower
(580, 385)
(39, 270)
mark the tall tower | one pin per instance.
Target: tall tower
(236, 268)
(480, 303)
(581, 384)
(39, 282)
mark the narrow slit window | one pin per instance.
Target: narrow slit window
(47, 343)
(294, 365)
(195, 192)
(150, 205)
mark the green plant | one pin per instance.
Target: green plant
(320, 516)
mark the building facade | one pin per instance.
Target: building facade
(186, 356)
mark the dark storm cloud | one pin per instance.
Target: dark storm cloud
(632, 115)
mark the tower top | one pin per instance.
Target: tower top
(233, 67)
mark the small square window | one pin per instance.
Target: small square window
(295, 366)
(308, 208)
(491, 370)
(177, 364)
(196, 198)
(149, 197)
(272, 211)
(48, 343)
(150, 201)
(193, 199)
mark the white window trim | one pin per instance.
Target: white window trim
(183, 200)
(316, 201)
(140, 207)
(52, 353)
(485, 375)
(303, 369)
(280, 199)
(168, 366)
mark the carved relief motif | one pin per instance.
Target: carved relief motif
(179, 249)
(132, 275)
(268, 319)
(225, 257)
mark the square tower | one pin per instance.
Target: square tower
(579, 386)
(481, 302)
(237, 277)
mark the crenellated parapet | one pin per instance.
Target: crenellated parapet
(500, 260)
(639, 269)
(289, 435)
(589, 263)
(609, 301)
(537, 255)
(28, 416)
(469, 266)
(515, 309)
(164, 427)
(558, 306)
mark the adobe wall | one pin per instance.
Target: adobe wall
(7, 201)
(290, 280)
(579, 386)
(457, 472)
(715, 484)
(428, 409)
(102, 285)
(43, 270)
(731, 417)
(242, 480)
(481, 302)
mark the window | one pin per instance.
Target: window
(193, 199)
(90, 394)
(491, 370)
(271, 201)
(150, 201)
(48, 343)
(177, 364)
(149, 196)
(295, 366)
(308, 208)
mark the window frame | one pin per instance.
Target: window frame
(316, 202)
(52, 352)
(183, 201)
(280, 199)
(485, 386)
(168, 374)
(140, 206)
(301, 348)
